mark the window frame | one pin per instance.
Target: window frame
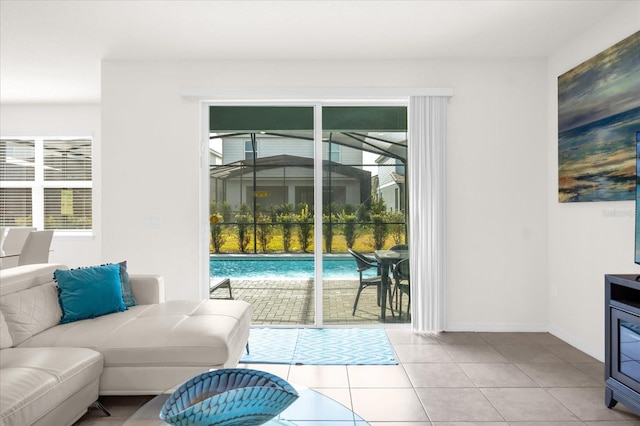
(39, 184)
(320, 155)
(248, 153)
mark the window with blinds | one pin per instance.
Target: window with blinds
(46, 183)
(17, 160)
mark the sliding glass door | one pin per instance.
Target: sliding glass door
(363, 213)
(261, 209)
(282, 249)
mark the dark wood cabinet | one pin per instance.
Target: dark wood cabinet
(622, 341)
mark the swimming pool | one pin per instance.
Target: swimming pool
(282, 267)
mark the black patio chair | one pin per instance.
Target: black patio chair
(362, 264)
(402, 283)
(397, 247)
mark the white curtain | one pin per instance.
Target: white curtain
(427, 194)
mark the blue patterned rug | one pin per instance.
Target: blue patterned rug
(320, 346)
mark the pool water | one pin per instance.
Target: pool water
(283, 268)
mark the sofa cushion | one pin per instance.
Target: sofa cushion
(125, 280)
(23, 277)
(35, 381)
(29, 300)
(174, 333)
(89, 292)
(5, 336)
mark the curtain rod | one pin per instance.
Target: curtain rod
(324, 93)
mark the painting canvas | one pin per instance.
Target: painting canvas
(598, 117)
(637, 258)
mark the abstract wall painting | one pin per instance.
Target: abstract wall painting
(598, 117)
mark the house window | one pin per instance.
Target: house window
(248, 150)
(334, 155)
(397, 199)
(304, 194)
(46, 182)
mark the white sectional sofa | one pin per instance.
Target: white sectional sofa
(51, 372)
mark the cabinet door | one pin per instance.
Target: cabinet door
(625, 348)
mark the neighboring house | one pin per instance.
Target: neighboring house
(215, 157)
(390, 183)
(284, 172)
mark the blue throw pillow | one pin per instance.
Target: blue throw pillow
(127, 295)
(89, 292)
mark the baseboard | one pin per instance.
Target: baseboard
(493, 327)
(578, 344)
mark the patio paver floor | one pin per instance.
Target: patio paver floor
(291, 302)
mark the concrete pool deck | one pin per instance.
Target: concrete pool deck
(291, 302)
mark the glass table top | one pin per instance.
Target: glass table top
(311, 409)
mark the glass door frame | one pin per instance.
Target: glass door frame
(317, 104)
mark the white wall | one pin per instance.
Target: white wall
(586, 240)
(63, 120)
(497, 171)
(497, 221)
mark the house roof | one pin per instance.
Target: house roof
(239, 168)
(397, 177)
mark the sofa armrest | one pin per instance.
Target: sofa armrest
(147, 289)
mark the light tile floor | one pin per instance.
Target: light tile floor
(454, 379)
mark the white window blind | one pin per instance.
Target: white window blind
(46, 183)
(68, 160)
(18, 160)
(15, 207)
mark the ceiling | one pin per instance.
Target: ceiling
(50, 51)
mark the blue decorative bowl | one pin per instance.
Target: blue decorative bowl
(234, 396)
